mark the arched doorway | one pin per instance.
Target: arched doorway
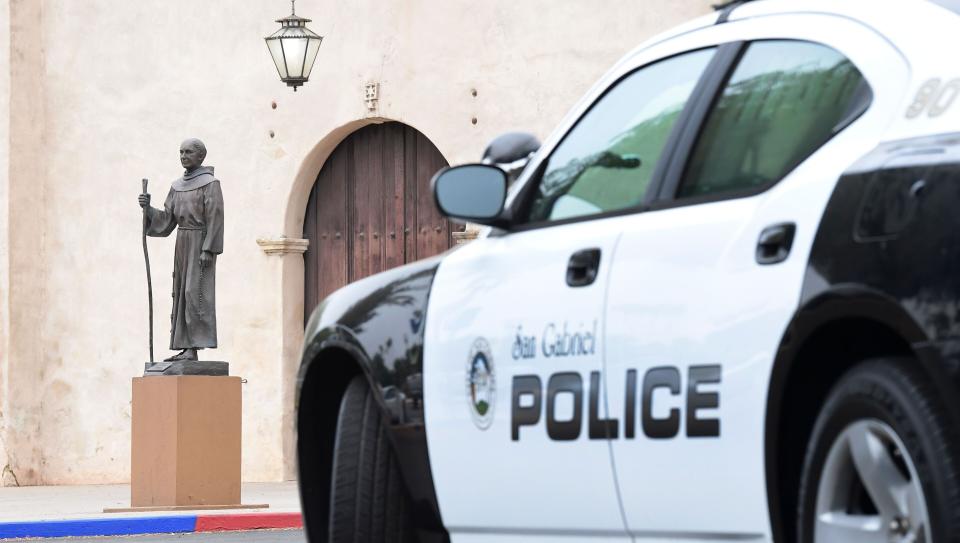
(371, 209)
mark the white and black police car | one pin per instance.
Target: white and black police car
(721, 302)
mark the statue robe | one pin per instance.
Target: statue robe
(194, 206)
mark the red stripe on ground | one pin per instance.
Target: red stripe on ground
(248, 521)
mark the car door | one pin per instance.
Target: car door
(513, 356)
(702, 286)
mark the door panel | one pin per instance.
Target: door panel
(411, 194)
(365, 209)
(366, 203)
(694, 321)
(433, 230)
(527, 306)
(686, 300)
(507, 298)
(391, 234)
(327, 259)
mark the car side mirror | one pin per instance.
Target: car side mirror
(472, 192)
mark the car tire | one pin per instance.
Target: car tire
(883, 418)
(368, 501)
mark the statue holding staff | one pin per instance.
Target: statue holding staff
(194, 206)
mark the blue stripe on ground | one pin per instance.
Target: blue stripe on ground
(94, 527)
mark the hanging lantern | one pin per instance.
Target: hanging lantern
(294, 48)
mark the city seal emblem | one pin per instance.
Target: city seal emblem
(481, 384)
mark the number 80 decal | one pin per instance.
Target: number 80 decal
(934, 98)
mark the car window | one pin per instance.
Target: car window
(607, 159)
(783, 101)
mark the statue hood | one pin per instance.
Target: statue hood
(194, 180)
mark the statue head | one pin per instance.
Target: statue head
(192, 153)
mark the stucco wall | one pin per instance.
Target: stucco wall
(120, 84)
(4, 248)
(27, 252)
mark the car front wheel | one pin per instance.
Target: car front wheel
(368, 501)
(882, 461)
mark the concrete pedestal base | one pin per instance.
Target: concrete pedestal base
(186, 441)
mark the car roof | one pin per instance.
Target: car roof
(925, 32)
(901, 20)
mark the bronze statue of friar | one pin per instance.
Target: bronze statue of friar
(194, 206)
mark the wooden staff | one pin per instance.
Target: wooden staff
(146, 259)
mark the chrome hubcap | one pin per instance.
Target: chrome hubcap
(869, 491)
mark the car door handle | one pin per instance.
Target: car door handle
(582, 267)
(775, 242)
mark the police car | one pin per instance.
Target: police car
(721, 302)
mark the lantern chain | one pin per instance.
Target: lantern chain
(293, 6)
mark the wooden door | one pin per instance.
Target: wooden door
(371, 209)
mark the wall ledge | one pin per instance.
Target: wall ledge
(461, 238)
(283, 245)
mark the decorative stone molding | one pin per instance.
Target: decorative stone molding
(460, 238)
(283, 245)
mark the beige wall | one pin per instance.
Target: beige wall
(26, 363)
(5, 475)
(106, 90)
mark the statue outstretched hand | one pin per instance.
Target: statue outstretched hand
(144, 200)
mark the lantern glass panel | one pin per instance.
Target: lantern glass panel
(312, 50)
(295, 49)
(277, 53)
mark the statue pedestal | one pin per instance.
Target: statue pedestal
(186, 442)
(186, 367)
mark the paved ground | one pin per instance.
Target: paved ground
(72, 502)
(258, 536)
